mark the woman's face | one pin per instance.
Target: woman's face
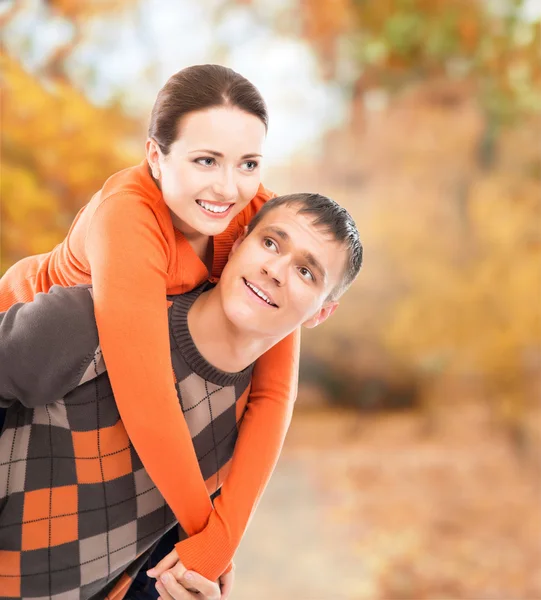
(212, 170)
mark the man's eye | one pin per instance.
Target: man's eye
(306, 273)
(250, 165)
(270, 244)
(206, 161)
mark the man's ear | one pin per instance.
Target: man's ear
(153, 154)
(322, 315)
(238, 242)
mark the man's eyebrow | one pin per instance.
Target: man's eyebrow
(314, 262)
(277, 231)
(220, 155)
(308, 256)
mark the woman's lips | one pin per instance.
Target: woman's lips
(216, 210)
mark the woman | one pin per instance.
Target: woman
(164, 227)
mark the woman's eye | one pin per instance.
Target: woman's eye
(250, 165)
(206, 161)
(306, 273)
(270, 244)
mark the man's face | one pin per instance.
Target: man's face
(280, 275)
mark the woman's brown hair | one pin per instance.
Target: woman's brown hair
(198, 88)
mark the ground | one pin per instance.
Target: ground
(381, 507)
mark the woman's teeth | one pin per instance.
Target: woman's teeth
(212, 207)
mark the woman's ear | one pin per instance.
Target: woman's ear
(153, 154)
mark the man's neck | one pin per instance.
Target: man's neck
(218, 341)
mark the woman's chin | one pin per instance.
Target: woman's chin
(214, 229)
(210, 226)
(193, 225)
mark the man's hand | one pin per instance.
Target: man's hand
(175, 582)
(167, 562)
(199, 588)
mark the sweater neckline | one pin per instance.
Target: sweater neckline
(222, 242)
(183, 338)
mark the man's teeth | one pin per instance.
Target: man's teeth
(259, 293)
(212, 207)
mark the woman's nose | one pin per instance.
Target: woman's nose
(226, 186)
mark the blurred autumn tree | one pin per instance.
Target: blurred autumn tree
(394, 42)
(442, 153)
(57, 147)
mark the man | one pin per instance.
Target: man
(79, 515)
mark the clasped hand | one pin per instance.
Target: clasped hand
(175, 582)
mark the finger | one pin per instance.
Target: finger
(164, 594)
(173, 589)
(194, 580)
(165, 564)
(227, 581)
(177, 571)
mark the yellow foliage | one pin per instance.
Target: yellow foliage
(75, 9)
(57, 150)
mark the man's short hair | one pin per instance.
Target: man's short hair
(332, 218)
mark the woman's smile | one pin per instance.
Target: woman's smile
(215, 210)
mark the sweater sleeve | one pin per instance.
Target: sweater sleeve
(128, 257)
(261, 437)
(45, 346)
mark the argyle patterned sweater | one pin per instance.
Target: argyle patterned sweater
(79, 514)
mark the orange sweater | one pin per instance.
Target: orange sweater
(124, 243)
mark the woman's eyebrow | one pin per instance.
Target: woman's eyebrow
(220, 155)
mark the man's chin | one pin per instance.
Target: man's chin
(241, 316)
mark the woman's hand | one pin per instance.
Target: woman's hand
(175, 582)
(190, 586)
(226, 583)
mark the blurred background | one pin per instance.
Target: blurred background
(412, 468)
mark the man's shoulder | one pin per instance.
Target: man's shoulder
(80, 294)
(64, 305)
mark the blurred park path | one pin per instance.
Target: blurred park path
(368, 507)
(292, 549)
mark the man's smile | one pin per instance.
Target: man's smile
(259, 293)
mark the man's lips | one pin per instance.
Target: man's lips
(260, 293)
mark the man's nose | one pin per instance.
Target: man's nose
(276, 269)
(226, 186)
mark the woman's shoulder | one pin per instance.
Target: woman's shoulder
(135, 181)
(263, 195)
(130, 193)
(127, 196)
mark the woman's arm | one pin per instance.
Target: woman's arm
(128, 257)
(261, 436)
